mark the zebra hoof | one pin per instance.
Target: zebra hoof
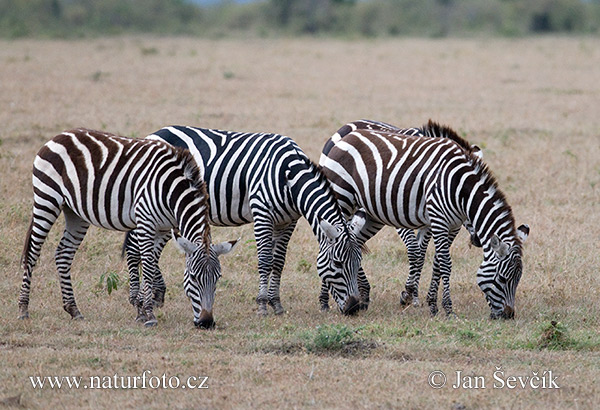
(451, 316)
(262, 311)
(78, 316)
(24, 316)
(277, 307)
(363, 306)
(159, 299)
(416, 302)
(151, 323)
(141, 319)
(325, 308)
(405, 298)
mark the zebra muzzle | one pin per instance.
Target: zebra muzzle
(508, 312)
(206, 320)
(352, 306)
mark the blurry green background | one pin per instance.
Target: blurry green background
(276, 18)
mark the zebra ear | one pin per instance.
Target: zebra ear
(499, 247)
(475, 240)
(224, 247)
(523, 232)
(358, 222)
(329, 230)
(477, 151)
(184, 245)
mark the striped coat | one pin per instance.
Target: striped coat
(416, 242)
(117, 183)
(434, 185)
(266, 179)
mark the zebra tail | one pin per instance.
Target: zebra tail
(27, 246)
(126, 243)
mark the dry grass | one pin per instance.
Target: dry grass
(531, 104)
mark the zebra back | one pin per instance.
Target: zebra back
(267, 179)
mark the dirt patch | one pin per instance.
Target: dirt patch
(357, 349)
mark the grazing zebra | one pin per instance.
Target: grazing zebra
(118, 183)
(434, 185)
(267, 179)
(416, 244)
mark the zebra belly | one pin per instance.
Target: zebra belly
(414, 220)
(110, 218)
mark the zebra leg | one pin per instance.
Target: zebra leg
(146, 246)
(446, 301)
(42, 219)
(364, 290)
(416, 246)
(131, 249)
(442, 267)
(368, 230)
(132, 253)
(134, 259)
(324, 297)
(433, 287)
(281, 240)
(412, 248)
(263, 233)
(75, 230)
(159, 287)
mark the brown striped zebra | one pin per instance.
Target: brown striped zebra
(118, 183)
(415, 241)
(434, 185)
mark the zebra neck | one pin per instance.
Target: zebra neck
(490, 215)
(191, 218)
(312, 196)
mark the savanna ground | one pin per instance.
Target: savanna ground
(531, 104)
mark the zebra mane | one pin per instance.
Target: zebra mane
(190, 168)
(489, 180)
(194, 176)
(325, 182)
(322, 178)
(434, 129)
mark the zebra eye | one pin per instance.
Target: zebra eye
(338, 264)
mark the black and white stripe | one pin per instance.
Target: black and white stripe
(268, 180)
(117, 183)
(433, 185)
(416, 242)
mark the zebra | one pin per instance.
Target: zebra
(434, 185)
(118, 183)
(267, 179)
(415, 245)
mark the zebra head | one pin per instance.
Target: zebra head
(202, 271)
(338, 263)
(500, 273)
